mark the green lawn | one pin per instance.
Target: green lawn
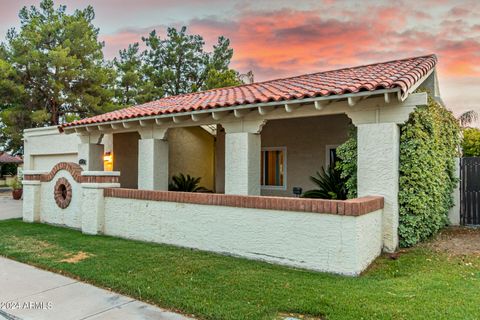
(420, 284)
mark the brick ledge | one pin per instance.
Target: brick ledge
(76, 172)
(352, 207)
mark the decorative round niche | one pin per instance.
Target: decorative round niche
(63, 193)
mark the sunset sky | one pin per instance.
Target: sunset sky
(284, 38)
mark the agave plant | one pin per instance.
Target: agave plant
(330, 185)
(186, 183)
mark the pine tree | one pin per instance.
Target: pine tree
(53, 70)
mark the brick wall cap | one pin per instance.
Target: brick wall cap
(31, 182)
(89, 185)
(30, 172)
(109, 178)
(353, 207)
(101, 173)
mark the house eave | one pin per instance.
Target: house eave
(217, 113)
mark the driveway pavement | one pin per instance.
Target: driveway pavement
(9, 208)
(30, 293)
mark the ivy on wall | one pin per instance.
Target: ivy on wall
(428, 146)
(347, 153)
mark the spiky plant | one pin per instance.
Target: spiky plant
(330, 185)
(186, 183)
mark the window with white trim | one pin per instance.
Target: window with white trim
(331, 155)
(274, 168)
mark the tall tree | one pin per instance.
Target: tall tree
(56, 68)
(179, 64)
(12, 114)
(131, 85)
(174, 65)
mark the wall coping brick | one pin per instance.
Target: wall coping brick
(352, 207)
(101, 173)
(77, 174)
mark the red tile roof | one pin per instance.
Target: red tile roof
(401, 74)
(6, 158)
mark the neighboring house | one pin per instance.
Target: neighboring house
(6, 159)
(251, 144)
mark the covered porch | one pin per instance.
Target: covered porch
(252, 145)
(291, 150)
(236, 158)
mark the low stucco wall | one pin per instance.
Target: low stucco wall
(51, 213)
(323, 235)
(322, 242)
(39, 191)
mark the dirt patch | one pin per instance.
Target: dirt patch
(24, 242)
(45, 249)
(30, 245)
(77, 257)
(457, 241)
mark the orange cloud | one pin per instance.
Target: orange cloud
(286, 42)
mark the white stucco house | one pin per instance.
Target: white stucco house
(251, 144)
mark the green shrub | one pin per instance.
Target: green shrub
(471, 142)
(347, 164)
(428, 146)
(330, 185)
(186, 183)
(16, 184)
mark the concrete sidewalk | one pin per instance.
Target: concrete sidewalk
(30, 293)
(9, 208)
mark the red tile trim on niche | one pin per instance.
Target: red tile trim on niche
(353, 207)
(75, 170)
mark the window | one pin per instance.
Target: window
(274, 165)
(331, 155)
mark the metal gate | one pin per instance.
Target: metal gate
(470, 191)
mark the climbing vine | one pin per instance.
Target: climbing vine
(428, 146)
(347, 153)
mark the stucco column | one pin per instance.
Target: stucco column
(91, 151)
(31, 200)
(153, 161)
(93, 202)
(377, 172)
(378, 157)
(242, 157)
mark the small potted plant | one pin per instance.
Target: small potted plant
(17, 188)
